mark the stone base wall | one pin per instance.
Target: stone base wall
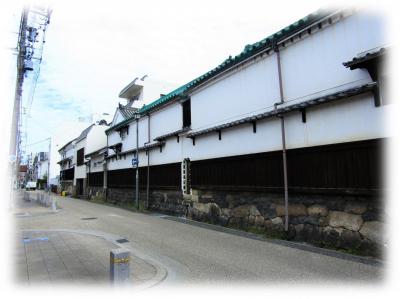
(346, 222)
(166, 201)
(94, 192)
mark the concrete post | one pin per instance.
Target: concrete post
(119, 266)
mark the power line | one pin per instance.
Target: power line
(41, 141)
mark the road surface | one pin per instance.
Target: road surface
(196, 255)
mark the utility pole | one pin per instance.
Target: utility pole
(14, 142)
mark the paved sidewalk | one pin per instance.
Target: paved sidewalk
(73, 257)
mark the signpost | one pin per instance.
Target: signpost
(135, 162)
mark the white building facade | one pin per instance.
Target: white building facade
(288, 136)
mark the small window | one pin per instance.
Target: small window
(80, 156)
(123, 132)
(186, 114)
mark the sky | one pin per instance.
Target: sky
(94, 49)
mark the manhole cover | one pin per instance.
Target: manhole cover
(122, 241)
(89, 218)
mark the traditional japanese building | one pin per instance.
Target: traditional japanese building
(288, 136)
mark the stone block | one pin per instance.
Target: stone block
(374, 231)
(195, 192)
(299, 229)
(268, 212)
(252, 219)
(223, 220)
(207, 208)
(226, 212)
(317, 210)
(330, 236)
(294, 210)
(267, 223)
(244, 211)
(345, 220)
(277, 221)
(372, 215)
(349, 239)
(355, 207)
(304, 220)
(259, 220)
(312, 234)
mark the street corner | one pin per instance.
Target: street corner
(72, 257)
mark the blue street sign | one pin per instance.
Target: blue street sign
(135, 162)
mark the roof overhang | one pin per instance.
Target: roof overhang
(64, 160)
(131, 90)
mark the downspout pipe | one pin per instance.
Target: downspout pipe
(105, 172)
(283, 137)
(148, 163)
(137, 159)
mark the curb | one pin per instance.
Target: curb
(291, 244)
(161, 271)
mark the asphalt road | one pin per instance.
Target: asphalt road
(196, 255)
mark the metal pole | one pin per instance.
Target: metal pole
(48, 167)
(285, 181)
(14, 142)
(148, 164)
(137, 160)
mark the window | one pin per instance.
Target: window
(186, 114)
(123, 132)
(80, 156)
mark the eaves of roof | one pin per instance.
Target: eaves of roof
(64, 146)
(63, 160)
(295, 107)
(356, 62)
(175, 133)
(142, 148)
(84, 133)
(97, 152)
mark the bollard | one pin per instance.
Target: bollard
(119, 266)
(37, 197)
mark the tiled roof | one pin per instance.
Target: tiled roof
(63, 160)
(97, 152)
(142, 148)
(127, 112)
(84, 133)
(175, 133)
(356, 62)
(248, 51)
(277, 112)
(68, 143)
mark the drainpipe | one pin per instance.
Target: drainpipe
(285, 181)
(105, 168)
(148, 163)
(137, 159)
